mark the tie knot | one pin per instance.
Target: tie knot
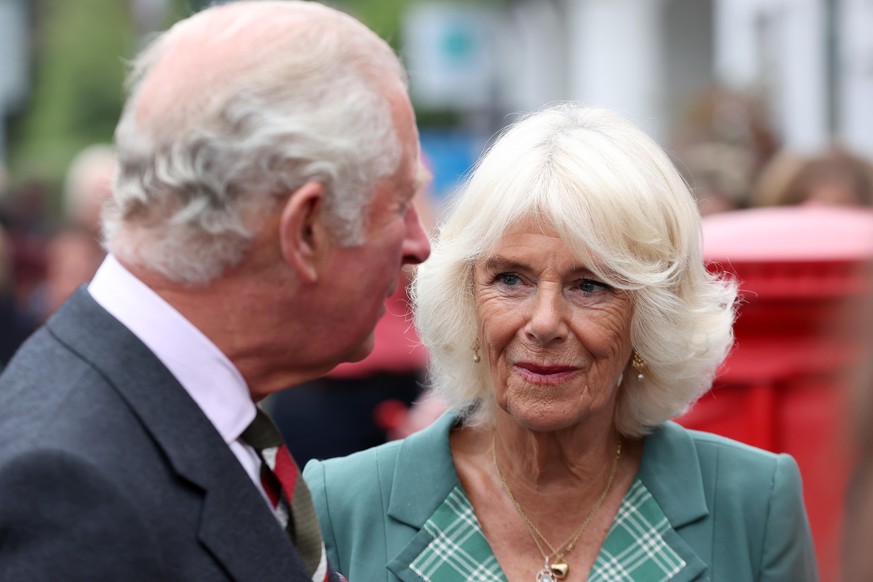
(262, 433)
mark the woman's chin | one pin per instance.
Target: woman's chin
(545, 418)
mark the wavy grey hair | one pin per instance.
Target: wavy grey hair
(620, 206)
(294, 92)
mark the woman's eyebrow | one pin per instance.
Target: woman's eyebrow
(499, 263)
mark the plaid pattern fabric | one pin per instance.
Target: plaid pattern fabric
(634, 548)
(459, 551)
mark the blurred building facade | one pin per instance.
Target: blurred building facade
(809, 62)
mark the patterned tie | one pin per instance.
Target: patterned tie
(289, 495)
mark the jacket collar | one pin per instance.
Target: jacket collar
(425, 473)
(236, 525)
(423, 477)
(671, 471)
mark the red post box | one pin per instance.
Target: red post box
(805, 280)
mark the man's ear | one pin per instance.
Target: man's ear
(304, 238)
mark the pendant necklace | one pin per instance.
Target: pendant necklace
(546, 574)
(557, 570)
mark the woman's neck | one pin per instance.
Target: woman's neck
(576, 457)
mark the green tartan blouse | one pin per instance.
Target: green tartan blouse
(634, 549)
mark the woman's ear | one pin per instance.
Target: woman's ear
(303, 237)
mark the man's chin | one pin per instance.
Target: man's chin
(363, 350)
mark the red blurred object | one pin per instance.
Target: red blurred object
(388, 414)
(805, 277)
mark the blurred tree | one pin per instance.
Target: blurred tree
(383, 16)
(79, 50)
(386, 16)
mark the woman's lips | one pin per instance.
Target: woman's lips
(545, 374)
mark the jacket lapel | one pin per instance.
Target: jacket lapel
(672, 473)
(418, 489)
(236, 525)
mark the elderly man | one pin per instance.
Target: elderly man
(267, 155)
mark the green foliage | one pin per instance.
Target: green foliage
(383, 16)
(386, 16)
(80, 49)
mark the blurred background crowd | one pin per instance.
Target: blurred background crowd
(762, 103)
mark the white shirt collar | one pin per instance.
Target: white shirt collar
(208, 376)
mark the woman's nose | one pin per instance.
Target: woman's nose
(547, 321)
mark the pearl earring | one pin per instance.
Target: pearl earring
(639, 365)
(476, 357)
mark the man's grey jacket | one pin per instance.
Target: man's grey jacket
(110, 471)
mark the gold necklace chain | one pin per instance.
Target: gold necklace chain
(567, 547)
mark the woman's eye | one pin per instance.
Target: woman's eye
(509, 279)
(591, 286)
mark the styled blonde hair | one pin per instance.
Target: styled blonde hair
(621, 207)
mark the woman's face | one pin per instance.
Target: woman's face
(555, 337)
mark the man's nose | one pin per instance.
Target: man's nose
(416, 245)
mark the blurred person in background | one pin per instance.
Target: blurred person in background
(10, 316)
(720, 176)
(25, 216)
(261, 217)
(15, 325)
(74, 252)
(835, 177)
(722, 141)
(87, 186)
(569, 316)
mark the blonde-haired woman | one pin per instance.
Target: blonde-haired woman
(569, 317)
